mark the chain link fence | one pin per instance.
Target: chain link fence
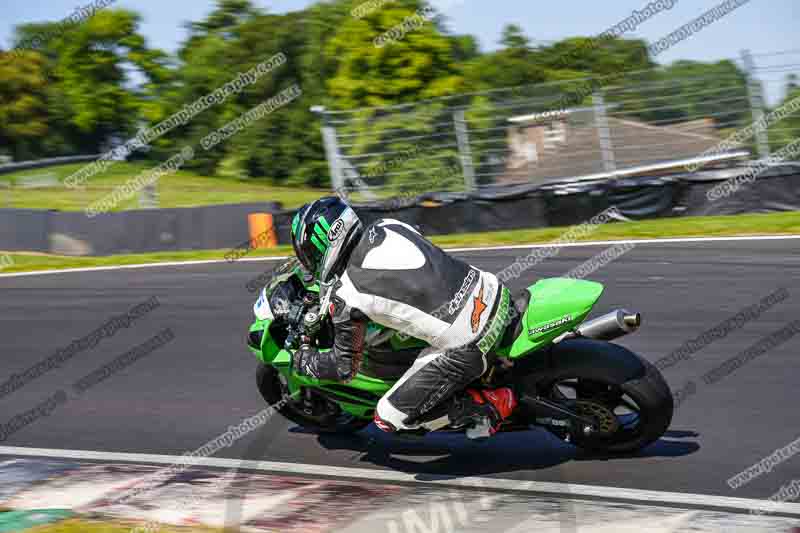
(588, 128)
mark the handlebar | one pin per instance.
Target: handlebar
(304, 321)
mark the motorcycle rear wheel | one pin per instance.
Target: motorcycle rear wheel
(629, 415)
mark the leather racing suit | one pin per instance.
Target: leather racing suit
(399, 279)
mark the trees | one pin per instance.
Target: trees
(787, 130)
(87, 83)
(24, 116)
(416, 66)
(97, 82)
(686, 91)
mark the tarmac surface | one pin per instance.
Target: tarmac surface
(195, 386)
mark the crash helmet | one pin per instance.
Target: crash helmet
(324, 234)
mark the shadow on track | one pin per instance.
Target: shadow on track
(454, 455)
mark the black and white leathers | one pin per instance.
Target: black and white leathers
(397, 278)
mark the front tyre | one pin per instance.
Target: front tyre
(313, 412)
(629, 414)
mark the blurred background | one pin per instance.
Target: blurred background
(469, 103)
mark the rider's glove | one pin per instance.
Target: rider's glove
(313, 363)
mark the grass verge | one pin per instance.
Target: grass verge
(719, 226)
(98, 526)
(182, 189)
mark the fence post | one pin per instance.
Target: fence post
(148, 196)
(603, 132)
(464, 150)
(755, 92)
(332, 153)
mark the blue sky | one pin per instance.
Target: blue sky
(761, 26)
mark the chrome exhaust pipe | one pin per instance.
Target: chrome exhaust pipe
(610, 326)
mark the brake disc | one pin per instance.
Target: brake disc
(606, 422)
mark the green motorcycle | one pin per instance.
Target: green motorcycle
(567, 376)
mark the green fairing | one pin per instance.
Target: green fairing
(556, 306)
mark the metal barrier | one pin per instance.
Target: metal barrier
(545, 132)
(42, 163)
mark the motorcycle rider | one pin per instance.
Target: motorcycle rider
(388, 273)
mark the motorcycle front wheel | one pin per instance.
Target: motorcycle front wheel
(313, 411)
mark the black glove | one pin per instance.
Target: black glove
(310, 362)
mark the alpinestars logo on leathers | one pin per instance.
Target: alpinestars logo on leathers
(455, 303)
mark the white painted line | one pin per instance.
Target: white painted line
(141, 265)
(678, 240)
(648, 497)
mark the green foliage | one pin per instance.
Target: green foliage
(83, 75)
(418, 66)
(97, 82)
(685, 91)
(23, 103)
(787, 130)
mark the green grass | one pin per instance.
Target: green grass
(23, 262)
(97, 526)
(720, 226)
(182, 189)
(716, 226)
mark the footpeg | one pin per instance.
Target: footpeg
(481, 430)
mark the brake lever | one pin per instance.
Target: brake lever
(325, 298)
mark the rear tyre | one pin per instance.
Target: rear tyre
(316, 412)
(630, 415)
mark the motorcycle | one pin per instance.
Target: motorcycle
(569, 378)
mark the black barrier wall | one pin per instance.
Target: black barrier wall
(508, 208)
(139, 231)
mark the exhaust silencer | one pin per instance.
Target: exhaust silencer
(610, 326)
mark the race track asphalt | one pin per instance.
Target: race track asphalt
(193, 388)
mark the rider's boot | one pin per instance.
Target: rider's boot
(483, 411)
